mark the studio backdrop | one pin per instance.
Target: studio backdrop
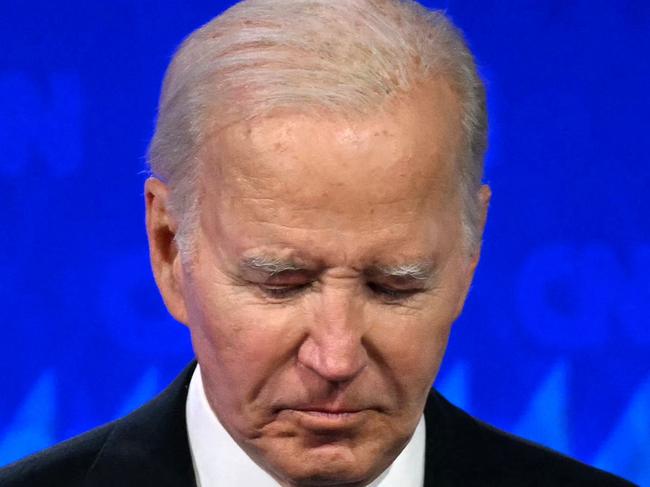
(554, 343)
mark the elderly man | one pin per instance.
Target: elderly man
(314, 215)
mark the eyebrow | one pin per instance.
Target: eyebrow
(419, 271)
(271, 265)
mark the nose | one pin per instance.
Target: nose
(334, 347)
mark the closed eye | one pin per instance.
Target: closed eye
(284, 291)
(279, 291)
(391, 294)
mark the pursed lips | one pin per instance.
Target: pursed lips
(332, 408)
(327, 418)
(328, 412)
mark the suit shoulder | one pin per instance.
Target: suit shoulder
(541, 465)
(481, 451)
(65, 463)
(147, 447)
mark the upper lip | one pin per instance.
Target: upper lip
(328, 409)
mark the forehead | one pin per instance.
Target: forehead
(414, 136)
(296, 175)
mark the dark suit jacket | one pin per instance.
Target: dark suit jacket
(150, 448)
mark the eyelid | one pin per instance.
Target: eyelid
(281, 291)
(287, 277)
(392, 293)
(284, 290)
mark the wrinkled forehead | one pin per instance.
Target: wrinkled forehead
(410, 144)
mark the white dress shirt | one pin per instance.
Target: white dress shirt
(220, 462)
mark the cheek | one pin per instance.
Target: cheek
(412, 346)
(240, 344)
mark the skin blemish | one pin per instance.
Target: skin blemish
(279, 147)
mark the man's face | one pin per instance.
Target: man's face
(330, 266)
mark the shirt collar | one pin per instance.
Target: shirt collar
(218, 460)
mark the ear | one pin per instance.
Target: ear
(163, 252)
(484, 196)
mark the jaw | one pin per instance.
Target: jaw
(297, 456)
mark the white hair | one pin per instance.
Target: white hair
(344, 56)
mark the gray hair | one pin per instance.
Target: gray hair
(344, 56)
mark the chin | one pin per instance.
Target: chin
(326, 475)
(323, 465)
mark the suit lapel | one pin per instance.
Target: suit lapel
(445, 450)
(456, 447)
(150, 446)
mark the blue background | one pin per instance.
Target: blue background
(554, 343)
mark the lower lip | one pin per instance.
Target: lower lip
(322, 420)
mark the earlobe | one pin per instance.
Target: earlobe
(163, 251)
